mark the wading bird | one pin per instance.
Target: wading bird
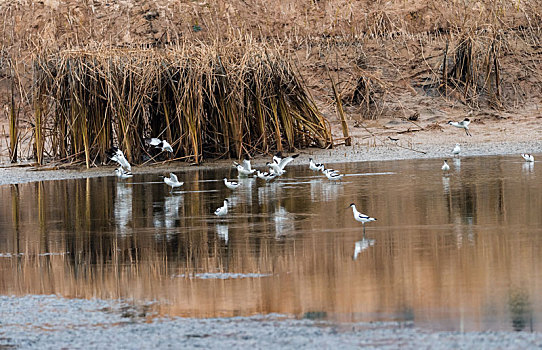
(173, 181)
(232, 185)
(279, 162)
(456, 150)
(223, 210)
(266, 176)
(445, 166)
(117, 155)
(464, 124)
(244, 169)
(162, 144)
(527, 157)
(315, 166)
(333, 175)
(122, 174)
(361, 217)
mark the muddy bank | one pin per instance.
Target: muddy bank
(359, 152)
(50, 322)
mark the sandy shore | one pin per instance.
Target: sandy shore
(50, 322)
(359, 152)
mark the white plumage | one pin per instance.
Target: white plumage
(173, 181)
(122, 174)
(223, 210)
(445, 166)
(527, 157)
(464, 124)
(456, 150)
(232, 185)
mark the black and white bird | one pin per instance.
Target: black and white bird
(456, 150)
(279, 163)
(315, 166)
(464, 124)
(527, 157)
(223, 210)
(244, 169)
(361, 217)
(162, 144)
(445, 166)
(173, 181)
(333, 175)
(267, 176)
(117, 155)
(122, 174)
(232, 185)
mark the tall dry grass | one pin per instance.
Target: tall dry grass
(209, 101)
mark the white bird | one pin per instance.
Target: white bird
(173, 181)
(464, 124)
(281, 162)
(333, 175)
(163, 144)
(223, 210)
(362, 245)
(232, 185)
(116, 155)
(265, 175)
(122, 174)
(445, 166)
(528, 157)
(246, 163)
(275, 169)
(456, 150)
(244, 169)
(315, 166)
(361, 217)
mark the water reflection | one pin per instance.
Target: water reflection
(528, 167)
(443, 252)
(360, 246)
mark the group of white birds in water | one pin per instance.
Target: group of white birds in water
(275, 169)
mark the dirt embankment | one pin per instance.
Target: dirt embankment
(402, 69)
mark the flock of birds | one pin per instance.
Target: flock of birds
(276, 168)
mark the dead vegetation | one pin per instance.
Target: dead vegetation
(384, 59)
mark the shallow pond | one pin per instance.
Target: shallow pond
(456, 252)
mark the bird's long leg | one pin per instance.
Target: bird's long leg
(467, 132)
(363, 224)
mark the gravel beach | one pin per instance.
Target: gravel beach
(51, 322)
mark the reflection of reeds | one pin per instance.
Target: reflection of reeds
(210, 101)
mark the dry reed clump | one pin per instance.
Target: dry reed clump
(472, 69)
(207, 101)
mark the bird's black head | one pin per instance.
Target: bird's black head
(227, 200)
(449, 122)
(466, 120)
(351, 204)
(279, 154)
(310, 158)
(247, 157)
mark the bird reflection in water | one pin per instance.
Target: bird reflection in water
(123, 208)
(527, 167)
(362, 245)
(457, 164)
(284, 222)
(222, 231)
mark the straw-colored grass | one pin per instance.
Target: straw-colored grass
(208, 101)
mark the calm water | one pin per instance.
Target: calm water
(461, 252)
